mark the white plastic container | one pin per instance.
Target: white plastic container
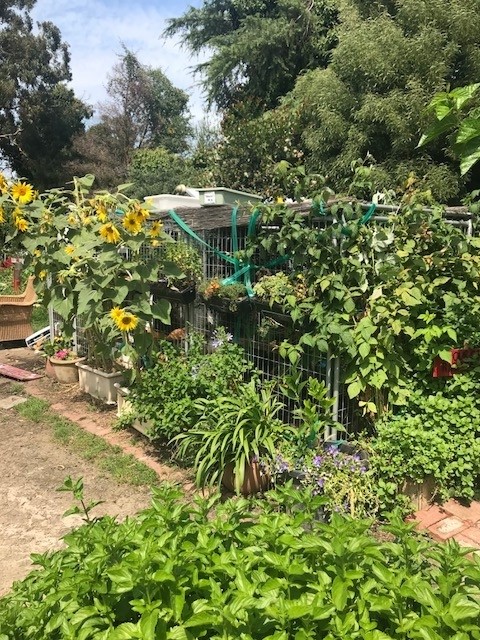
(167, 201)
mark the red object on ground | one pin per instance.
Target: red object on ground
(17, 374)
(442, 369)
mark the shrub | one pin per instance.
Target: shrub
(165, 394)
(436, 435)
(205, 570)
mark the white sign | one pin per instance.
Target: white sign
(209, 197)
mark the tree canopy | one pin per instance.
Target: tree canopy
(350, 79)
(39, 115)
(258, 47)
(144, 111)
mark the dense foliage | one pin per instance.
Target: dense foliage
(257, 48)
(165, 394)
(436, 435)
(222, 571)
(39, 115)
(385, 297)
(366, 99)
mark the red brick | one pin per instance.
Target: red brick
(471, 513)
(448, 527)
(429, 516)
(473, 534)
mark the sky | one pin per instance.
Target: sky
(96, 29)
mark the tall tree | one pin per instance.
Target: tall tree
(144, 111)
(39, 115)
(257, 47)
(391, 57)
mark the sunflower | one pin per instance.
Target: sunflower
(100, 210)
(155, 229)
(3, 184)
(110, 232)
(42, 275)
(21, 223)
(69, 249)
(22, 192)
(2, 215)
(132, 224)
(127, 321)
(116, 313)
(140, 212)
(72, 219)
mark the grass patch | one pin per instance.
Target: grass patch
(121, 467)
(33, 409)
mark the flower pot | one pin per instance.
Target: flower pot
(420, 493)
(226, 305)
(254, 481)
(123, 403)
(186, 295)
(65, 371)
(99, 384)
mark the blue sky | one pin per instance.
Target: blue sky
(95, 29)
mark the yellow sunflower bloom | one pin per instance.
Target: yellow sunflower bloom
(126, 322)
(110, 233)
(42, 275)
(22, 192)
(3, 184)
(72, 219)
(2, 216)
(116, 313)
(155, 229)
(132, 224)
(69, 249)
(21, 223)
(140, 212)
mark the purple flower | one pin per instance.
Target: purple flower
(317, 461)
(321, 482)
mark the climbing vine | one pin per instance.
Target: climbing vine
(387, 297)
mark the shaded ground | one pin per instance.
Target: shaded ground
(33, 465)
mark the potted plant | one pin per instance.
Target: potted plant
(235, 438)
(180, 272)
(226, 298)
(279, 292)
(62, 358)
(96, 254)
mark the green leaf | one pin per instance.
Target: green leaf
(354, 389)
(161, 310)
(202, 619)
(339, 593)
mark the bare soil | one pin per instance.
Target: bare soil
(33, 465)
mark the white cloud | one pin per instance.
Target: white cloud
(95, 31)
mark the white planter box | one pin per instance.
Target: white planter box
(217, 196)
(125, 406)
(167, 201)
(99, 384)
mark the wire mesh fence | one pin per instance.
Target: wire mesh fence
(260, 331)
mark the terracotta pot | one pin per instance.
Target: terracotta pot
(66, 371)
(254, 480)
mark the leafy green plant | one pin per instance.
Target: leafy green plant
(181, 264)
(75, 487)
(233, 430)
(279, 288)
(201, 569)
(165, 394)
(435, 435)
(214, 289)
(387, 297)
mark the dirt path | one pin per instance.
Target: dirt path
(32, 466)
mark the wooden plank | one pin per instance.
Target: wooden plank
(17, 374)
